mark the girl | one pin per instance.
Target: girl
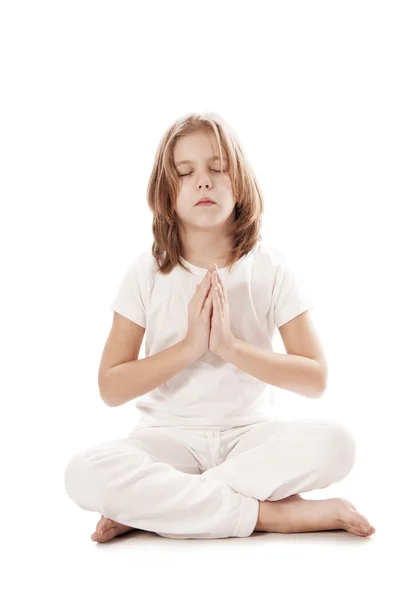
(206, 460)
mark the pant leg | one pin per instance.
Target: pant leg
(276, 459)
(137, 481)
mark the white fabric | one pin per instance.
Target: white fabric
(263, 292)
(184, 482)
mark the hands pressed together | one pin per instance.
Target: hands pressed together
(208, 316)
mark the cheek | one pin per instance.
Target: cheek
(185, 188)
(227, 184)
(183, 202)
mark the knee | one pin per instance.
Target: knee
(93, 475)
(338, 451)
(75, 476)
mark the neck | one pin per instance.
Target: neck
(201, 250)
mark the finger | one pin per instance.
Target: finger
(203, 289)
(221, 284)
(204, 284)
(220, 291)
(216, 300)
(207, 305)
(208, 283)
(217, 287)
(214, 277)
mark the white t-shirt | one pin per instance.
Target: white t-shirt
(263, 293)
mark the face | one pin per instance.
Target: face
(199, 177)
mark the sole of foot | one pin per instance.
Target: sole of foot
(107, 529)
(295, 514)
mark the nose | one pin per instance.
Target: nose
(206, 185)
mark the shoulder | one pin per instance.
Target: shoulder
(269, 258)
(143, 264)
(139, 271)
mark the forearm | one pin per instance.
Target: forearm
(135, 378)
(297, 374)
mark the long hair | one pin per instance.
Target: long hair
(164, 186)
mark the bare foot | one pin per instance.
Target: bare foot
(107, 529)
(294, 514)
(353, 521)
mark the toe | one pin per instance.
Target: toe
(98, 535)
(108, 534)
(103, 524)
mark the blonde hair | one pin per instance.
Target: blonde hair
(164, 185)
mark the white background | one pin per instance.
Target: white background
(87, 90)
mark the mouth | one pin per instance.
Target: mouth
(205, 202)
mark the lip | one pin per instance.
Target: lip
(204, 200)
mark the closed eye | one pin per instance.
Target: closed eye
(185, 174)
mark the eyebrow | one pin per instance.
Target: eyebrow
(181, 162)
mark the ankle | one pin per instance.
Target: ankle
(269, 516)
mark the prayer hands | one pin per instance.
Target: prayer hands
(221, 337)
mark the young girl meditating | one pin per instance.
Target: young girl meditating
(206, 459)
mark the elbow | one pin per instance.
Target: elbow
(110, 400)
(318, 392)
(321, 388)
(321, 383)
(110, 395)
(109, 403)
(107, 400)
(315, 392)
(105, 396)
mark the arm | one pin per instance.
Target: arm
(297, 374)
(135, 378)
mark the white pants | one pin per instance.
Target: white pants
(191, 482)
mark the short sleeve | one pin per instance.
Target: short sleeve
(130, 297)
(290, 296)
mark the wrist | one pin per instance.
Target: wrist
(190, 350)
(227, 350)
